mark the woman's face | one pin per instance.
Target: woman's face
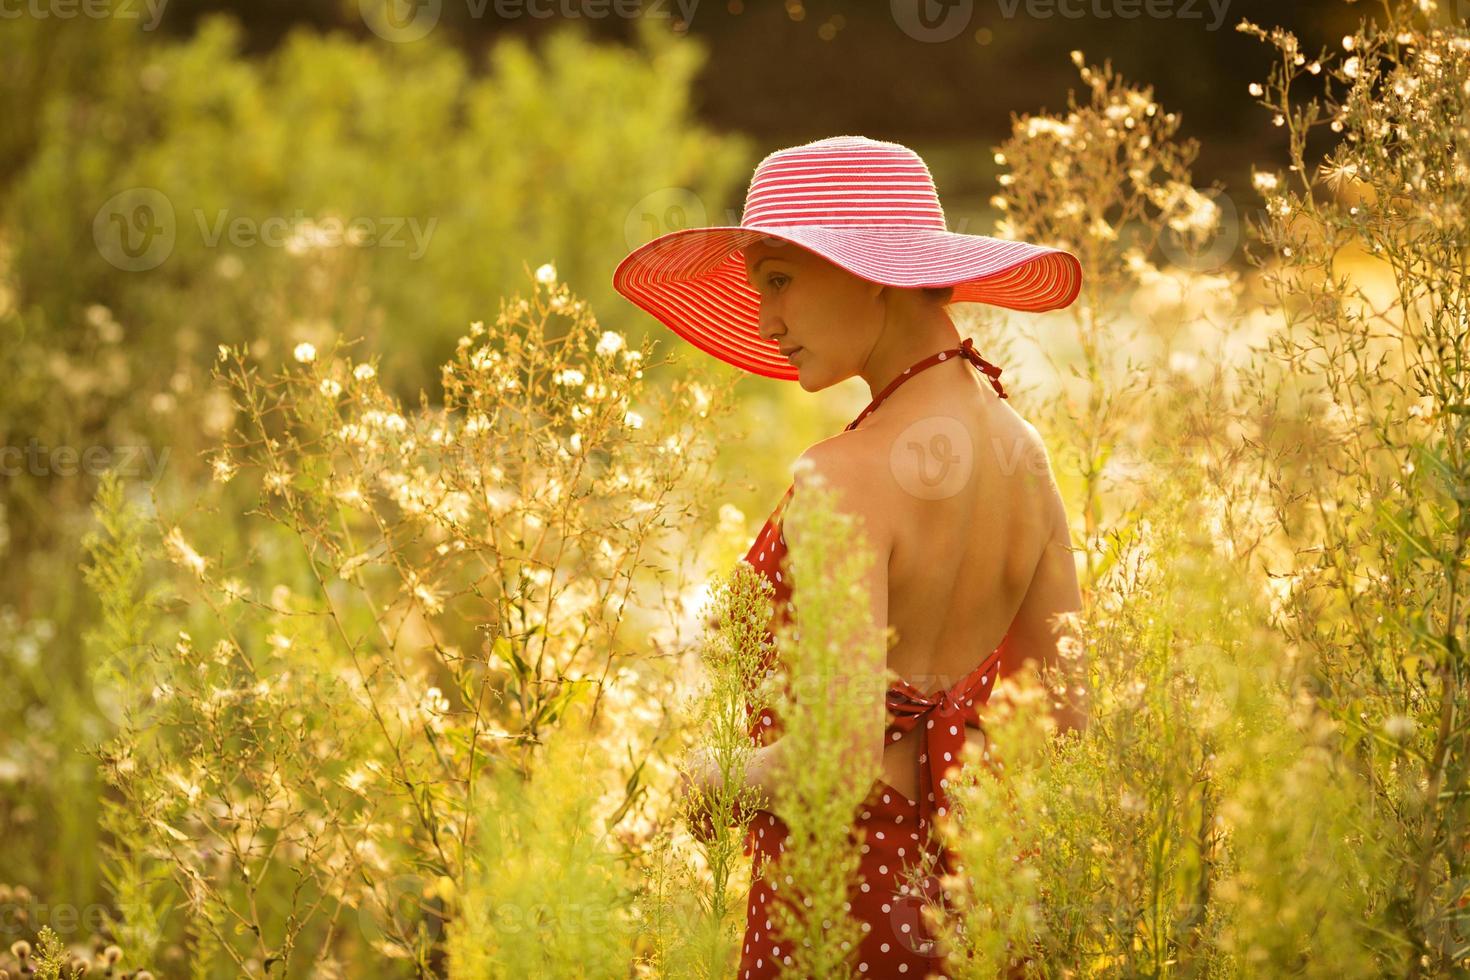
(809, 303)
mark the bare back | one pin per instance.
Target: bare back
(980, 539)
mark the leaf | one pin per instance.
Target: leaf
(175, 834)
(1405, 533)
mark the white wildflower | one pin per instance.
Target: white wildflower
(610, 343)
(181, 553)
(223, 468)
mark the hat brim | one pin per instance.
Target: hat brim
(693, 281)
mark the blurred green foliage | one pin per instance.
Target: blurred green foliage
(474, 170)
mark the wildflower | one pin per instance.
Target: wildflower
(433, 602)
(181, 553)
(1350, 67)
(435, 702)
(546, 274)
(1100, 229)
(1399, 727)
(304, 352)
(364, 372)
(350, 566)
(224, 352)
(1256, 89)
(568, 377)
(1337, 174)
(223, 468)
(277, 481)
(389, 421)
(633, 420)
(330, 387)
(610, 343)
(1264, 181)
(353, 433)
(700, 399)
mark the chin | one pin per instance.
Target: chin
(810, 382)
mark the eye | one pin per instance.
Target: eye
(771, 280)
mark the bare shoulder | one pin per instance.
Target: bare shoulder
(844, 465)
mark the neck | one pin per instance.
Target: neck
(902, 343)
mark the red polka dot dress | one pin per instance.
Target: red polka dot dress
(894, 830)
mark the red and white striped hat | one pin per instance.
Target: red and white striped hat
(863, 204)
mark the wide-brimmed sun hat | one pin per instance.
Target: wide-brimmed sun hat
(866, 205)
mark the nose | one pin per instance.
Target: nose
(767, 322)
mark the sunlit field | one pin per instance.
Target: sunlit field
(325, 655)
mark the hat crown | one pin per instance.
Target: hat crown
(844, 181)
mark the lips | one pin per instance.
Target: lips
(792, 352)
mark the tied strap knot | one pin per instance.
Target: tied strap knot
(941, 719)
(992, 371)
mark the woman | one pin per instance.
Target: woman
(842, 266)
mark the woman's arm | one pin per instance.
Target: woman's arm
(1039, 632)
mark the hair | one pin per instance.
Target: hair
(943, 295)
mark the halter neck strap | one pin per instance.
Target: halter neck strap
(966, 349)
